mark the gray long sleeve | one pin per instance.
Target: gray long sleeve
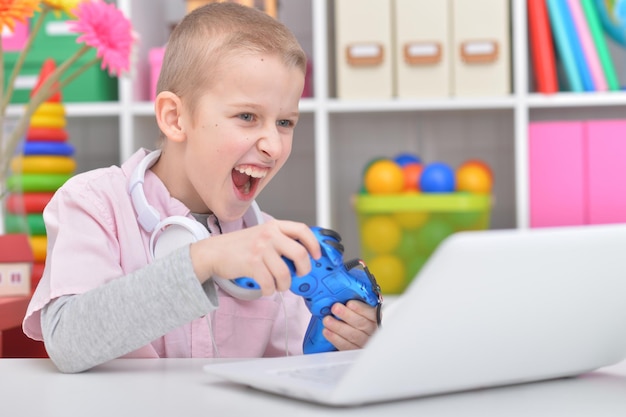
(84, 330)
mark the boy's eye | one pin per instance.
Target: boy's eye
(284, 123)
(246, 116)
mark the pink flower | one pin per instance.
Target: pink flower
(103, 27)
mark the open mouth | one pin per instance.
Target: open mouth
(246, 178)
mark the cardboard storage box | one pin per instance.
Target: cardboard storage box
(399, 232)
(92, 85)
(481, 48)
(54, 36)
(364, 49)
(422, 48)
(155, 56)
(268, 6)
(54, 40)
(577, 172)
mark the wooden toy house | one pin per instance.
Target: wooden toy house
(16, 262)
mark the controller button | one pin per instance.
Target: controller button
(335, 245)
(329, 233)
(325, 311)
(304, 288)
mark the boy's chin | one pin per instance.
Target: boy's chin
(232, 214)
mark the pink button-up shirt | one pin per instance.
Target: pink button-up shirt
(94, 237)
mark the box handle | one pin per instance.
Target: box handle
(364, 54)
(59, 28)
(422, 53)
(479, 51)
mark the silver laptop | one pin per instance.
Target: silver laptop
(489, 308)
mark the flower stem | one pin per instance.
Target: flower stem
(76, 73)
(22, 57)
(42, 94)
(6, 152)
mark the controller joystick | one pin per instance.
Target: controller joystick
(330, 281)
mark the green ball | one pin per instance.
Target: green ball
(433, 233)
(414, 265)
(468, 220)
(409, 245)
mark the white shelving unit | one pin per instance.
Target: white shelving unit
(336, 138)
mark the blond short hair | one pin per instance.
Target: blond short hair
(214, 32)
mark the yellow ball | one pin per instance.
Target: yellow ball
(389, 272)
(381, 234)
(411, 219)
(384, 176)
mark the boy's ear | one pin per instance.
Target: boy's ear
(168, 110)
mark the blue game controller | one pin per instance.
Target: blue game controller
(330, 281)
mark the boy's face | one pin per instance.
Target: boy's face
(242, 134)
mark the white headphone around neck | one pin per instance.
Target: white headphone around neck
(176, 231)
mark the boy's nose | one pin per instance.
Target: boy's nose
(269, 142)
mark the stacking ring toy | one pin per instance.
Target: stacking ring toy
(38, 120)
(36, 182)
(32, 224)
(28, 202)
(46, 134)
(50, 109)
(43, 164)
(15, 223)
(48, 148)
(38, 245)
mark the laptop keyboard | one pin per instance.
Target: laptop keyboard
(326, 374)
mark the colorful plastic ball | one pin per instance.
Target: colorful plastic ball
(432, 234)
(409, 245)
(474, 177)
(384, 177)
(405, 158)
(480, 163)
(467, 220)
(390, 273)
(380, 234)
(369, 163)
(437, 177)
(412, 172)
(411, 219)
(413, 266)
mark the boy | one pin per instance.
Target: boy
(130, 269)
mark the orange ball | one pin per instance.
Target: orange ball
(412, 172)
(474, 176)
(384, 177)
(480, 163)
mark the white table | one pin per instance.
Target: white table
(179, 388)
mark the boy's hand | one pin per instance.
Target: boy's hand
(353, 326)
(256, 252)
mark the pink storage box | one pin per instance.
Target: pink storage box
(577, 172)
(15, 41)
(557, 174)
(156, 60)
(606, 153)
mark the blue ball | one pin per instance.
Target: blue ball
(437, 177)
(405, 158)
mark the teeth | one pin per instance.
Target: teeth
(252, 171)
